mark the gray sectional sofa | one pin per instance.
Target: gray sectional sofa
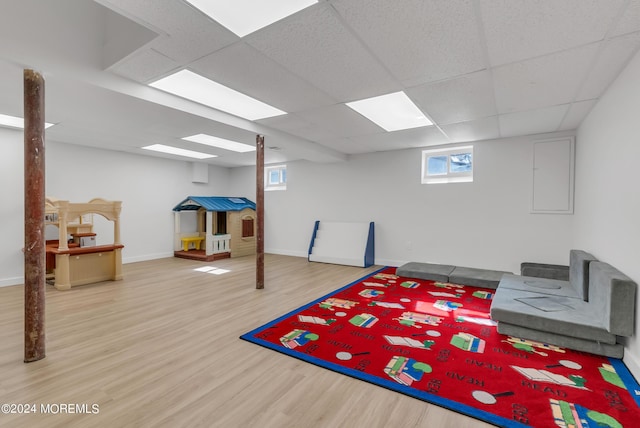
(588, 311)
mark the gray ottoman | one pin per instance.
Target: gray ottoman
(429, 271)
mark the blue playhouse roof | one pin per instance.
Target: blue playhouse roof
(214, 203)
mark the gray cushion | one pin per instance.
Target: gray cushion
(434, 272)
(542, 286)
(579, 271)
(610, 350)
(476, 277)
(612, 298)
(577, 320)
(544, 303)
(541, 270)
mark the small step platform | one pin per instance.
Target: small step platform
(343, 243)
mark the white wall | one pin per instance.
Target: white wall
(11, 207)
(148, 187)
(607, 203)
(486, 223)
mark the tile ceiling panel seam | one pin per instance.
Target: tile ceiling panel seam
(477, 8)
(337, 62)
(381, 63)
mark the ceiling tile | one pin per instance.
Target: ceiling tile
(543, 81)
(629, 21)
(532, 122)
(457, 100)
(38, 34)
(340, 120)
(610, 62)
(343, 145)
(144, 66)
(339, 65)
(298, 126)
(286, 122)
(188, 33)
(475, 130)
(417, 137)
(193, 41)
(419, 40)
(167, 16)
(122, 37)
(151, 13)
(533, 28)
(576, 114)
(245, 69)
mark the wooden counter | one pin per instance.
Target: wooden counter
(84, 250)
(85, 265)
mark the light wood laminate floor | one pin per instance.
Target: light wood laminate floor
(160, 349)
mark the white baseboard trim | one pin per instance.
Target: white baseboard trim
(379, 262)
(632, 364)
(286, 252)
(146, 257)
(8, 282)
(19, 280)
(389, 262)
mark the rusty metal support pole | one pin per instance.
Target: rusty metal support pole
(260, 211)
(34, 195)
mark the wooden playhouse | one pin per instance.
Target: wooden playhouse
(223, 227)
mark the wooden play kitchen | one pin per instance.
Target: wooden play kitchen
(79, 261)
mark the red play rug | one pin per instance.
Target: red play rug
(435, 342)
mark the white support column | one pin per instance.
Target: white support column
(62, 225)
(209, 235)
(176, 231)
(116, 224)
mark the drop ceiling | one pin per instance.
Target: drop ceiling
(479, 69)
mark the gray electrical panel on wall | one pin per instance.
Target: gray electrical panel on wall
(553, 175)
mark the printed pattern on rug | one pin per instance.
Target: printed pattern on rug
(435, 341)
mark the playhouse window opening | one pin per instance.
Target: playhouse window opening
(221, 222)
(247, 227)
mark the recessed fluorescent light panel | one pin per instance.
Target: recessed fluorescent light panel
(221, 143)
(16, 122)
(194, 87)
(177, 151)
(392, 112)
(246, 16)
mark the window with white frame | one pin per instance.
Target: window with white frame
(275, 177)
(450, 165)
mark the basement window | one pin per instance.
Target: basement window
(275, 177)
(454, 165)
